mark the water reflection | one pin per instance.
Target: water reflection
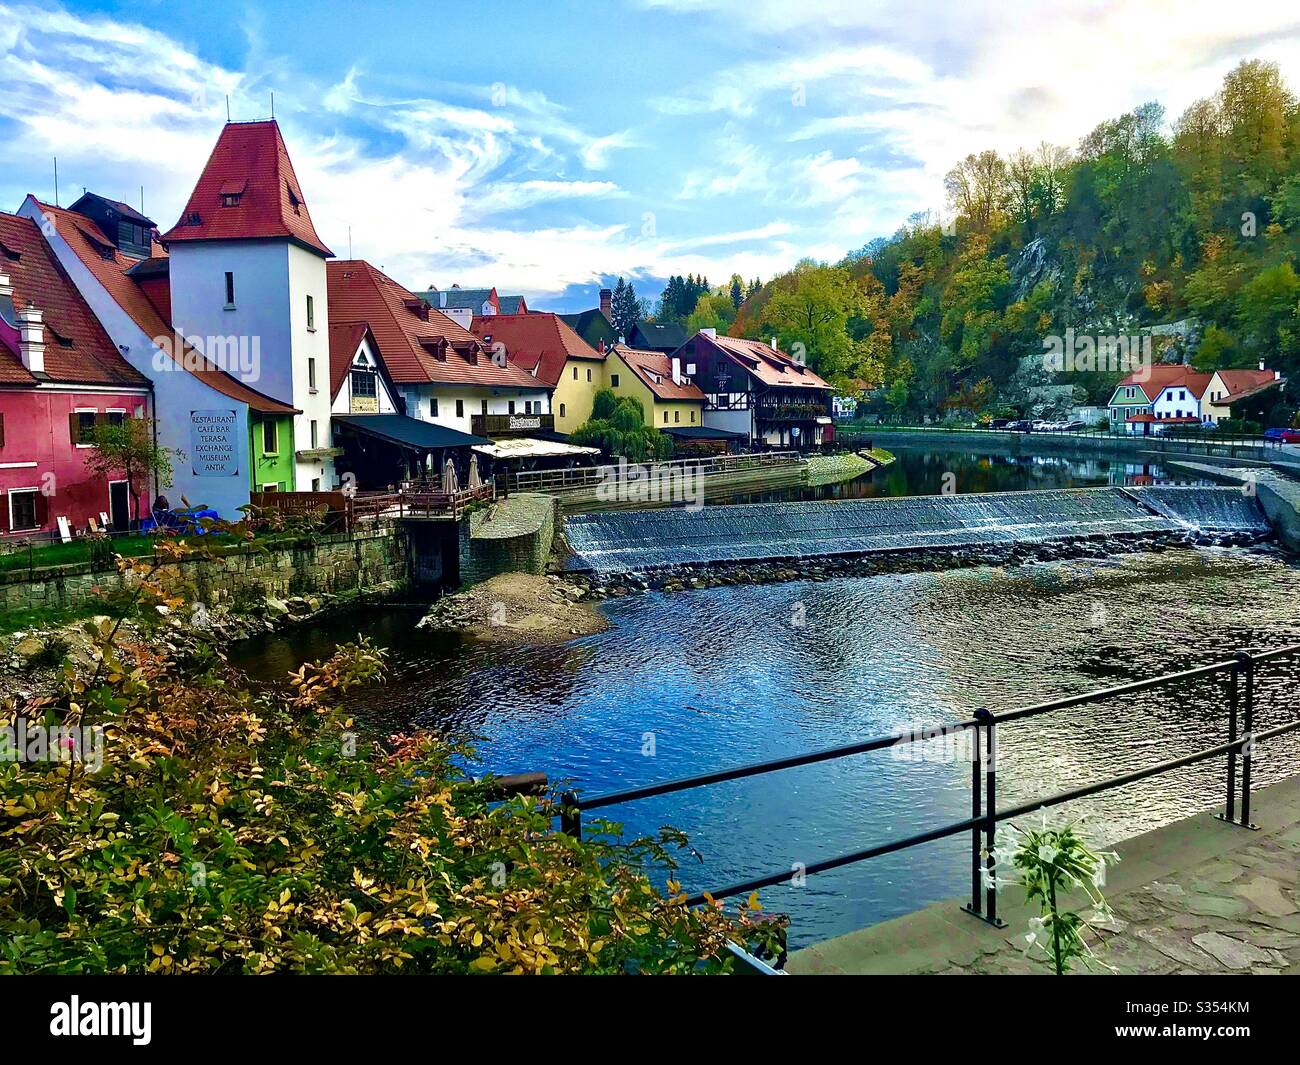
(730, 675)
(927, 471)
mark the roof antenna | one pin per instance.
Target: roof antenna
(56, 181)
(272, 107)
(349, 243)
(142, 199)
(227, 107)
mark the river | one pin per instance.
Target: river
(703, 680)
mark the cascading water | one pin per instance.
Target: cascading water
(625, 541)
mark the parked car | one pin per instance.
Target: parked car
(1074, 425)
(1039, 425)
(1283, 435)
(1020, 425)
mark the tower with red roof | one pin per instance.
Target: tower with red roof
(248, 285)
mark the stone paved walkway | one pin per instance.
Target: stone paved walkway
(1197, 896)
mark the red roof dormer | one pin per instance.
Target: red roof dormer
(248, 190)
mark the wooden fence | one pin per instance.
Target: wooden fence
(553, 481)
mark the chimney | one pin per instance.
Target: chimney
(677, 371)
(31, 332)
(606, 302)
(1261, 363)
(774, 347)
(601, 346)
(710, 332)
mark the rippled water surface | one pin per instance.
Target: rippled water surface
(725, 676)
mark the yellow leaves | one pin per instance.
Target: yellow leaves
(752, 902)
(484, 964)
(476, 940)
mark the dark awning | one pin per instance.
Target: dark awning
(702, 432)
(408, 432)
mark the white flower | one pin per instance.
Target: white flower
(1047, 853)
(1099, 874)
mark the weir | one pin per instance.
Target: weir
(630, 541)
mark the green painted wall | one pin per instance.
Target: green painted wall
(268, 467)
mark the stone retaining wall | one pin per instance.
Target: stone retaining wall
(515, 534)
(375, 562)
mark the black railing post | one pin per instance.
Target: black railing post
(570, 815)
(990, 814)
(976, 809)
(1234, 700)
(1248, 737)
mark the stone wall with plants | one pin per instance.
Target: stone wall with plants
(247, 573)
(514, 535)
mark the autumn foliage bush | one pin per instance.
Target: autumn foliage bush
(234, 831)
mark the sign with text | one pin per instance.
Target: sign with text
(214, 443)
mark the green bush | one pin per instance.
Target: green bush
(233, 832)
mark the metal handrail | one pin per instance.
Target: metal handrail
(985, 814)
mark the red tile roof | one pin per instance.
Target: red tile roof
(540, 342)
(656, 371)
(250, 163)
(1155, 379)
(110, 266)
(770, 365)
(345, 339)
(77, 349)
(418, 343)
(1244, 383)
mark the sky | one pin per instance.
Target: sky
(548, 148)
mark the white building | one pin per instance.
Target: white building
(248, 285)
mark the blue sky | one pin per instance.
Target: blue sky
(548, 147)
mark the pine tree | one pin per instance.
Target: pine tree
(737, 293)
(625, 308)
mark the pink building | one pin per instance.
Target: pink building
(60, 376)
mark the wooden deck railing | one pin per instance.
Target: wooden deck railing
(339, 510)
(552, 481)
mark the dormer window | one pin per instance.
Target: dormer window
(232, 192)
(295, 201)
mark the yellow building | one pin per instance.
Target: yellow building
(546, 346)
(669, 398)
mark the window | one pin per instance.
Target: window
(364, 384)
(692, 416)
(313, 434)
(665, 417)
(433, 406)
(84, 431)
(510, 408)
(230, 289)
(460, 408)
(315, 484)
(311, 372)
(115, 417)
(613, 380)
(23, 509)
(589, 375)
(2, 430)
(484, 410)
(311, 314)
(270, 440)
(677, 416)
(575, 373)
(561, 410)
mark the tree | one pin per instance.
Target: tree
(977, 189)
(737, 292)
(618, 427)
(625, 309)
(129, 447)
